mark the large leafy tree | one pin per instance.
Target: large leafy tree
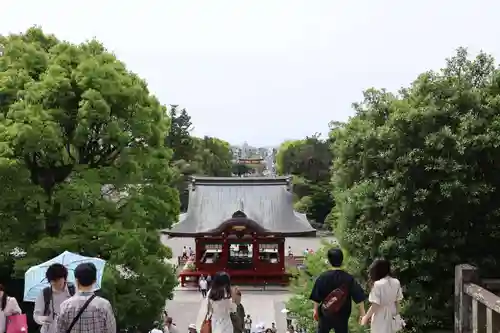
(214, 157)
(309, 161)
(416, 180)
(83, 168)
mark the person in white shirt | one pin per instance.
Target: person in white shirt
(8, 307)
(203, 286)
(248, 324)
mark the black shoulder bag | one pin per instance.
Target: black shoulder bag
(79, 314)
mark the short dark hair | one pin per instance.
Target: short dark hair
(86, 274)
(379, 269)
(56, 272)
(335, 257)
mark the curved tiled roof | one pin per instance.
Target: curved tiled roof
(267, 201)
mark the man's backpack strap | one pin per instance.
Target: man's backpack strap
(47, 297)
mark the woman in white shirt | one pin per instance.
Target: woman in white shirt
(8, 307)
(384, 297)
(219, 305)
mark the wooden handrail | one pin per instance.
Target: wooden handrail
(475, 306)
(483, 296)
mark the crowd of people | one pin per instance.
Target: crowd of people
(63, 307)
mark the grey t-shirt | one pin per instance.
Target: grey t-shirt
(57, 298)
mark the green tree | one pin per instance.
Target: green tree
(416, 179)
(310, 158)
(179, 137)
(240, 169)
(309, 161)
(83, 168)
(214, 157)
(181, 142)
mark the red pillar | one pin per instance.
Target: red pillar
(198, 249)
(281, 253)
(225, 251)
(255, 256)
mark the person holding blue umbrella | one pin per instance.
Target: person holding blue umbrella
(48, 303)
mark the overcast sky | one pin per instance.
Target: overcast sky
(264, 71)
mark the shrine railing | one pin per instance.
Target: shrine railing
(477, 307)
(290, 261)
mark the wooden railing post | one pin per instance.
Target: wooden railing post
(463, 303)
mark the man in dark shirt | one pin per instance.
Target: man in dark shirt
(326, 283)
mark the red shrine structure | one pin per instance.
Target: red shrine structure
(240, 225)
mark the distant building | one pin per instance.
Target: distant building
(245, 151)
(265, 156)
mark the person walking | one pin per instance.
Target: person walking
(333, 293)
(48, 303)
(85, 312)
(248, 324)
(385, 297)
(8, 307)
(238, 317)
(203, 284)
(219, 305)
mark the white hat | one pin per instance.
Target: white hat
(192, 326)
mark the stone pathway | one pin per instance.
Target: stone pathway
(263, 306)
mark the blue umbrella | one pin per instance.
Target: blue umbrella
(35, 281)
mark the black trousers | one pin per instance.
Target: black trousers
(204, 293)
(337, 326)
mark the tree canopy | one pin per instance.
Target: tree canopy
(309, 161)
(416, 180)
(194, 156)
(83, 168)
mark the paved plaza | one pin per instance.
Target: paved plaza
(263, 306)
